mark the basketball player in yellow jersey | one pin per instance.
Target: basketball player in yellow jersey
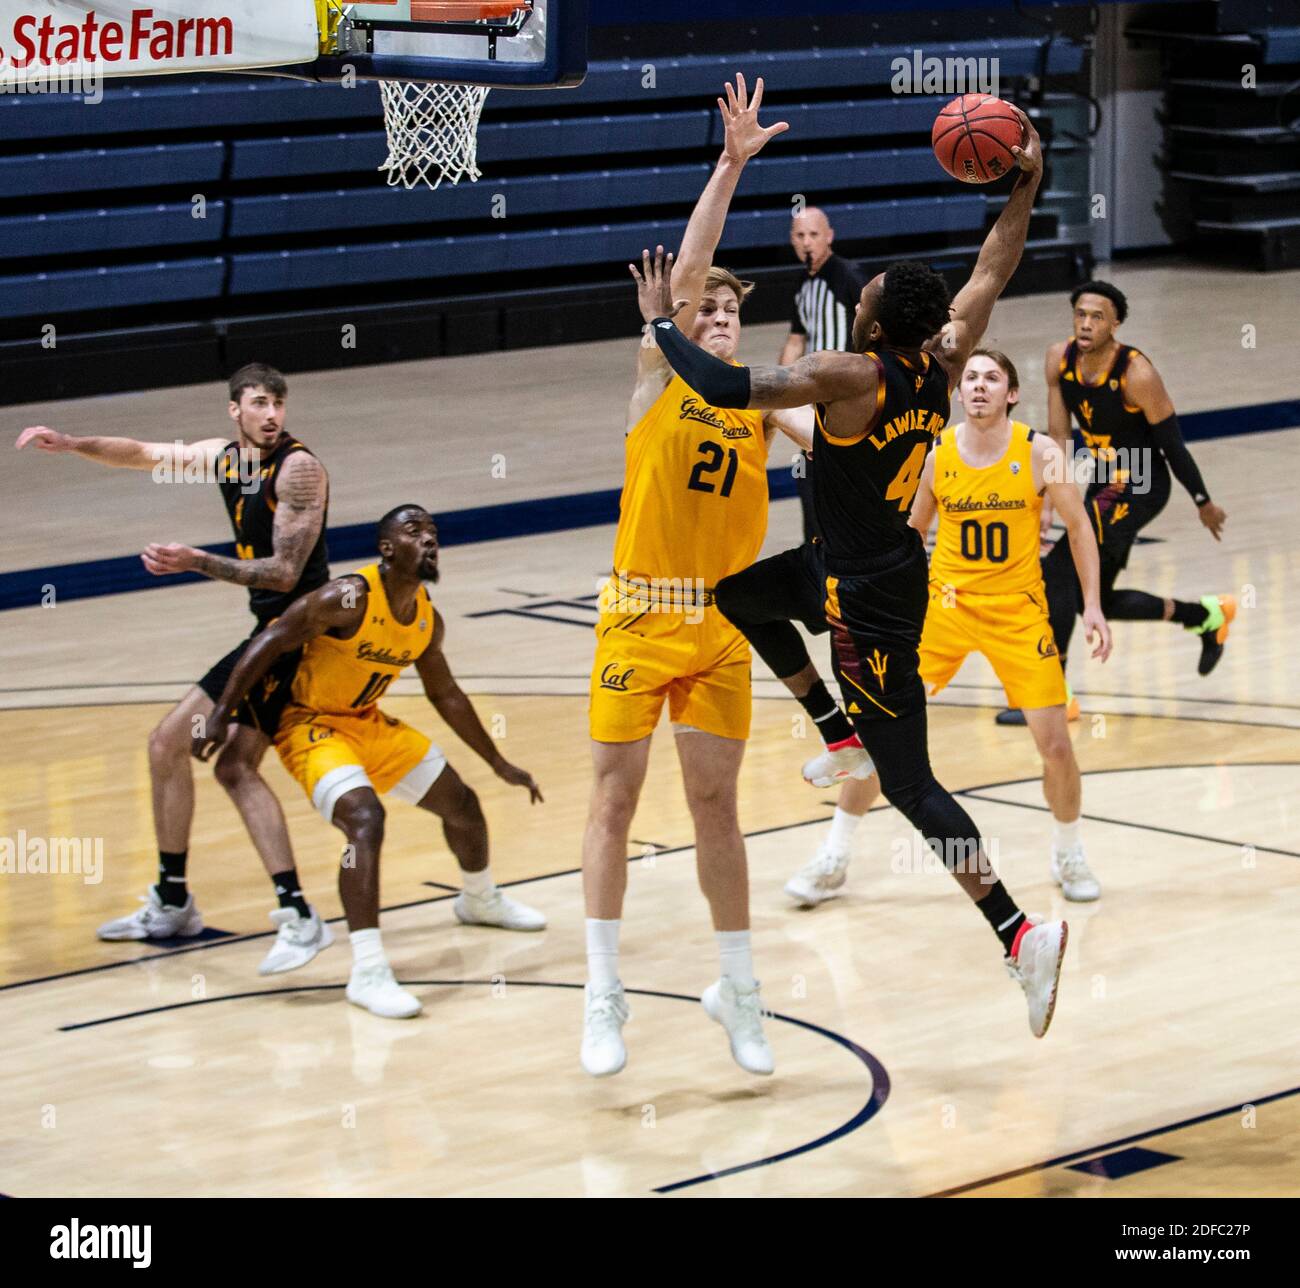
(987, 478)
(358, 634)
(694, 509)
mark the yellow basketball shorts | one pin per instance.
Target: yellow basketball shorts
(329, 755)
(1012, 631)
(699, 667)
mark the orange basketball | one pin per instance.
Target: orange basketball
(973, 137)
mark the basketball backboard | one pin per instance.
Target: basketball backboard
(507, 43)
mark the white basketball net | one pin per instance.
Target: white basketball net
(432, 131)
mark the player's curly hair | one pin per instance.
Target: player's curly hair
(1107, 292)
(914, 304)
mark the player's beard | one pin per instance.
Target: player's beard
(247, 440)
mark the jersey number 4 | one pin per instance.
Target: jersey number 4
(908, 479)
(711, 464)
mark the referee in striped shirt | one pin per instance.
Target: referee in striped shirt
(823, 312)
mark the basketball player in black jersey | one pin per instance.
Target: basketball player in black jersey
(1116, 397)
(878, 411)
(275, 492)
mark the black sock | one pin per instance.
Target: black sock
(1000, 911)
(1190, 614)
(288, 890)
(171, 886)
(831, 722)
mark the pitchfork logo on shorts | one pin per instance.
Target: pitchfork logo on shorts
(877, 662)
(612, 678)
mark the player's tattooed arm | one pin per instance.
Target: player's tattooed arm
(301, 491)
(338, 607)
(453, 705)
(1052, 474)
(998, 259)
(175, 459)
(924, 504)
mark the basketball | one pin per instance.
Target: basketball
(973, 136)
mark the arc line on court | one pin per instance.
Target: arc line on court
(880, 1081)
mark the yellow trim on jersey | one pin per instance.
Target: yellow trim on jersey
(875, 415)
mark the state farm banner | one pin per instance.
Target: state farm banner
(38, 38)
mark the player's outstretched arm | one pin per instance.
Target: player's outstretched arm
(1147, 391)
(452, 703)
(125, 453)
(826, 376)
(1052, 474)
(998, 260)
(302, 489)
(338, 605)
(744, 137)
(924, 504)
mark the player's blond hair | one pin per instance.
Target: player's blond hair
(718, 277)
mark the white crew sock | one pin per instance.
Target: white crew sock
(367, 948)
(602, 952)
(736, 957)
(478, 885)
(843, 827)
(1065, 836)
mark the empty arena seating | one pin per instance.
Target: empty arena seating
(205, 199)
(1232, 147)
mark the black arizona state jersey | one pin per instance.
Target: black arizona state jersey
(250, 501)
(863, 486)
(1113, 430)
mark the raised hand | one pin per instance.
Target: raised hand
(1029, 154)
(744, 136)
(48, 440)
(654, 295)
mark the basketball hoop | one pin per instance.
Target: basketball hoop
(432, 126)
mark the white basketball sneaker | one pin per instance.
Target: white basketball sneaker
(1037, 969)
(603, 1052)
(820, 879)
(497, 910)
(299, 940)
(833, 767)
(1071, 872)
(741, 1014)
(155, 921)
(376, 988)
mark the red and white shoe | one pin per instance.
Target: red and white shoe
(833, 767)
(1036, 967)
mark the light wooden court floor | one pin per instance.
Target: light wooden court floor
(904, 1061)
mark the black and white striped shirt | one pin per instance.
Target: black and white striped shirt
(824, 305)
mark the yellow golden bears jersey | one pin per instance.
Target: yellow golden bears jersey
(694, 504)
(988, 519)
(348, 677)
